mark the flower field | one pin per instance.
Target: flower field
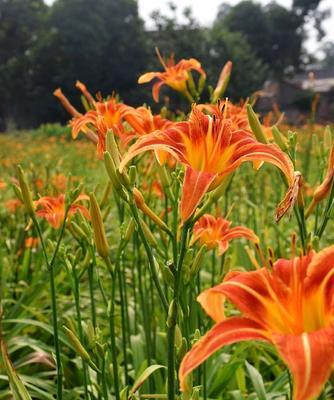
(181, 254)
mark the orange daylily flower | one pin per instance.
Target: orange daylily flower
(31, 242)
(12, 205)
(210, 148)
(174, 76)
(59, 181)
(237, 113)
(105, 116)
(3, 184)
(290, 306)
(53, 209)
(216, 232)
(143, 122)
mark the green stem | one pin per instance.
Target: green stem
(77, 307)
(50, 267)
(112, 328)
(150, 257)
(124, 336)
(173, 316)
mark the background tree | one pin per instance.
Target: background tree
(20, 30)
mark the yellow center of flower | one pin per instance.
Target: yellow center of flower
(206, 153)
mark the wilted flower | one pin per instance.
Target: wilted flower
(174, 76)
(210, 148)
(216, 232)
(290, 306)
(323, 190)
(53, 209)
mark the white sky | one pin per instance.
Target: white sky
(205, 11)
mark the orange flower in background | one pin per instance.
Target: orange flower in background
(211, 148)
(31, 242)
(143, 122)
(105, 116)
(216, 232)
(53, 209)
(12, 205)
(290, 306)
(237, 113)
(60, 182)
(175, 76)
(3, 184)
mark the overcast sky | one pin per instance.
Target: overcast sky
(205, 11)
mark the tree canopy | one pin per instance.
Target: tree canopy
(104, 44)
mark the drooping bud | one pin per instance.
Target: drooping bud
(25, 191)
(140, 203)
(79, 348)
(100, 237)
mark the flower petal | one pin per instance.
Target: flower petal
(195, 185)
(230, 331)
(310, 358)
(156, 89)
(145, 78)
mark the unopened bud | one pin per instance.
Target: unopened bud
(255, 125)
(279, 138)
(222, 83)
(79, 348)
(25, 191)
(172, 314)
(129, 230)
(100, 238)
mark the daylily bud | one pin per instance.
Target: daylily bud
(222, 83)
(140, 203)
(279, 138)
(149, 235)
(129, 230)
(18, 193)
(255, 125)
(114, 178)
(112, 148)
(78, 347)
(172, 314)
(132, 174)
(100, 238)
(178, 336)
(25, 191)
(165, 181)
(194, 269)
(182, 350)
(167, 274)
